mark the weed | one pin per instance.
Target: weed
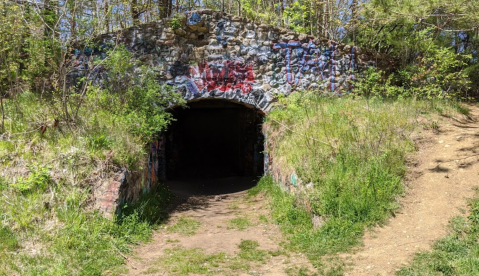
(181, 261)
(185, 226)
(239, 223)
(263, 219)
(463, 109)
(248, 245)
(277, 253)
(9, 241)
(3, 184)
(37, 181)
(150, 207)
(175, 21)
(100, 142)
(250, 252)
(299, 271)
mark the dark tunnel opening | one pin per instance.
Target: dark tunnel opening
(213, 140)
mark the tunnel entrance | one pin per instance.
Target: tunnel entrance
(214, 139)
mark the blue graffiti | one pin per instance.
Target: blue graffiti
(308, 58)
(220, 29)
(194, 18)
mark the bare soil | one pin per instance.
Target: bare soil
(442, 176)
(214, 205)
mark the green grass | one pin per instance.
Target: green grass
(456, 254)
(185, 226)
(249, 251)
(240, 223)
(47, 226)
(9, 241)
(351, 152)
(263, 219)
(299, 271)
(181, 261)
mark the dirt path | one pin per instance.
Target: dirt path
(223, 222)
(444, 176)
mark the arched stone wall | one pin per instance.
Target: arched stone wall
(211, 54)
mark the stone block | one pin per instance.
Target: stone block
(180, 32)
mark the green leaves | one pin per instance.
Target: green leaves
(38, 180)
(139, 98)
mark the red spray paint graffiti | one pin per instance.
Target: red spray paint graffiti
(223, 75)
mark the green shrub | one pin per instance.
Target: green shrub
(176, 21)
(134, 95)
(37, 181)
(437, 73)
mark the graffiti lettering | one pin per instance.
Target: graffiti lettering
(301, 58)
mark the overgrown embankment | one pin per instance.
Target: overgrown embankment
(52, 156)
(349, 156)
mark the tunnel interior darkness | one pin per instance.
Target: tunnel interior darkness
(214, 139)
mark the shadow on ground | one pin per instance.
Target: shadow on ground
(191, 194)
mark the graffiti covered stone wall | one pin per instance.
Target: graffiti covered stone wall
(216, 55)
(211, 54)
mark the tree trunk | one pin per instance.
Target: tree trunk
(107, 17)
(354, 19)
(135, 14)
(2, 130)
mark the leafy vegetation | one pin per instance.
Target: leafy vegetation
(250, 252)
(56, 144)
(46, 225)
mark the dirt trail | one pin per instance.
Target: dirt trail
(216, 234)
(440, 182)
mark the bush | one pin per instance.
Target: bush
(436, 73)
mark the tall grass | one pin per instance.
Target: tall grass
(349, 155)
(46, 224)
